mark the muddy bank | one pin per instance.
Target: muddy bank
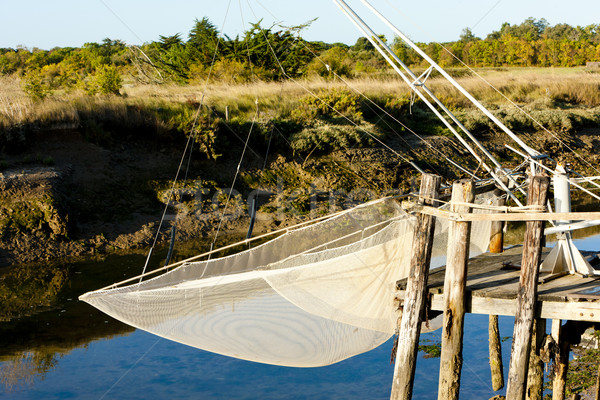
(69, 197)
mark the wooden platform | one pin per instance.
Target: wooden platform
(493, 281)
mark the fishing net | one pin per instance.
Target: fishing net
(311, 297)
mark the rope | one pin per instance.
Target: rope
(489, 207)
(405, 127)
(353, 88)
(386, 52)
(551, 171)
(253, 239)
(237, 172)
(187, 145)
(537, 122)
(330, 107)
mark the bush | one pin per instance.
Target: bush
(35, 86)
(106, 80)
(334, 103)
(327, 138)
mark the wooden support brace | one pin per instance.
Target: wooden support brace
(527, 294)
(416, 293)
(454, 294)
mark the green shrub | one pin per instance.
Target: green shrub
(106, 80)
(35, 86)
(335, 103)
(327, 138)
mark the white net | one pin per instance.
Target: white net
(311, 297)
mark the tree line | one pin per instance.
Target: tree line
(273, 54)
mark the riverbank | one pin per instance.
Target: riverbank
(86, 175)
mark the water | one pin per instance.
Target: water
(71, 351)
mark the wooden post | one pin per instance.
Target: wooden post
(454, 293)
(495, 346)
(497, 228)
(597, 396)
(226, 113)
(535, 375)
(416, 290)
(496, 366)
(527, 294)
(559, 382)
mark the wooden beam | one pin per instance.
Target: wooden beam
(559, 382)
(414, 304)
(454, 287)
(505, 216)
(527, 293)
(568, 310)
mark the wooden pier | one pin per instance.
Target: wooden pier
(493, 282)
(504, 282)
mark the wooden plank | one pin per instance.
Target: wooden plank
(454, 287)
(535, 373)
(559, 383)
(414, 305)
(491, 289)
(574, 311)
(507, 216)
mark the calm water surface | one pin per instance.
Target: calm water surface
(71, 351)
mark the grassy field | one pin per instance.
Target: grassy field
(312, 117)
(534, 88)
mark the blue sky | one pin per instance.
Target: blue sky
(45, 24)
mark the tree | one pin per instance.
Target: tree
(203, 41)
(362, 44)
(333, 61)
(468, 36)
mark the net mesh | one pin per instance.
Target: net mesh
(311, 297)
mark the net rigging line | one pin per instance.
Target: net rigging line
(417, 85)
(315, 95)
(372, 102)
(348, 84)
(254, 118)
(429, 145)
(411, 148)
(519, 108)
(189, 143)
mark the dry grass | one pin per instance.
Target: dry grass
(537, 88)
(530, 86)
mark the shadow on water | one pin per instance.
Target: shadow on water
(42, 320)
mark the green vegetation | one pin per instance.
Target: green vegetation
(268, 54)
(431, 348)
(113, 91)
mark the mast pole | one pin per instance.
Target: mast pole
(380, 46)
(450, 79)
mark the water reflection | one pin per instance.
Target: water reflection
(21, 369)
(58, 337)
(41, 320)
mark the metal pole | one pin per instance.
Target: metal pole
(380, 46)
(528, 149)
